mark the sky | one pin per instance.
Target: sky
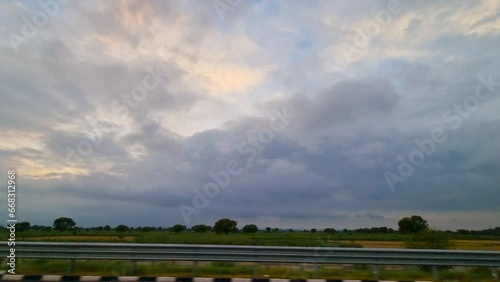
(289, 114)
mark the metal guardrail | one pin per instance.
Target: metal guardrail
(235, 253)
(257, 254)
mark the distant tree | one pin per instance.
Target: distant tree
(268, 229)
(121, 228)
(63, 223)
(413, 224)
(178, 228)
(495, 231)
(313, 230)
(23, 226)
(330, 230)
(250, 228)
(107, 228)
(290, 230)
(276, 230)
(373, 230)
(225, 225)
(200, 228)
(36, 227)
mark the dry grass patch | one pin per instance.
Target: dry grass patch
(485, 245)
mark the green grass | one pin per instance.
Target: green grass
(260, 238)
(299, 239)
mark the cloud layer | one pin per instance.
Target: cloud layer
(117, 112)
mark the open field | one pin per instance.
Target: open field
(299, 239)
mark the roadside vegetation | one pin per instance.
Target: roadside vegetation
(413, 232)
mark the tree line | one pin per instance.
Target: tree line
(407, 225)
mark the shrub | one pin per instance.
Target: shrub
(178, 228)
(430, 239)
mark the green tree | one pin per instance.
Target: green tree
(63, 223)
(225, 226)
(178, 228)
(413, 224)
(122, 228)
(200, 228)
(250, 228)
(268, 229)
(330, 230)
(23, 226)
(313, 230)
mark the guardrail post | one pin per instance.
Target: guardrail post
(494, 274)
(436, 273)
(255, 269)
(133, 268)
(376, 271)
(72, 266)
(195, 268)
